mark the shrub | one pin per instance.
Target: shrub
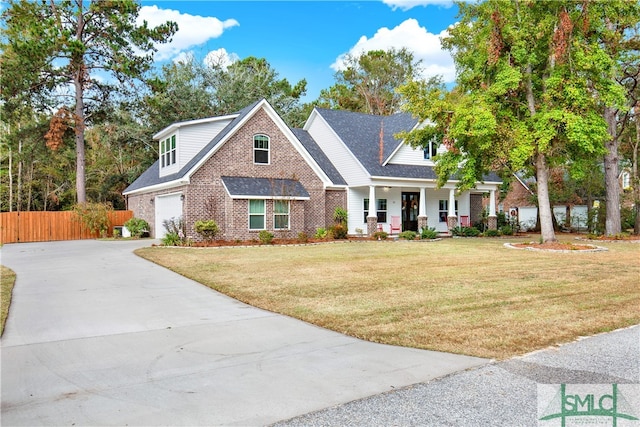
(137, 227)
(94, 216)
(207, 229)
(171, 239)
(492, 233)
(465, 231)
(380, 235)
(266, 237)
(428, 233)
(408, 235)
(321, 233)
(339, 231)
(177, 227)
(507, 230)
(340, 215)
(302, 237)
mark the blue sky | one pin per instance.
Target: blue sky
(305, 39)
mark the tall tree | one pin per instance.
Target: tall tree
(368, 83)
(49, 46)
(525, 94)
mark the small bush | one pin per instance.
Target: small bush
(506, 230)
(428, 233)
(207, 229)
(380, 235)
(339, 231)
(408, 235)
(340, 215)
(171, 239)
(302, 237)
(321, 233)
(176, 226)
(137, 227)
(492, 233)
(94, 216)
(465, 231)
(266, 237)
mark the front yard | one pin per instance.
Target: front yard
(468, 296)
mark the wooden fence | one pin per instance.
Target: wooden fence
(49, 226)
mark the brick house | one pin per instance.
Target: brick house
(250, 172)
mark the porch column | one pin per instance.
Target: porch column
(422, 209)
(372, 216)
(492, 220)
(452, 218)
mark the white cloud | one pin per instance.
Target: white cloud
(424, 45)
(220, 57)
(193, 30)
(408, 4)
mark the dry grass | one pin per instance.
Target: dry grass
(7, 280)
(469, 296)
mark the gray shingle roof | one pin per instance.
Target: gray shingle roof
(361, 134)
(319, 156)
(245, 187)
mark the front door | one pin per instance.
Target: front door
(410, 204)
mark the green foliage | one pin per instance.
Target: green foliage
(94, 216)
(339, 231)
(176, 227)
(208, 229)
(321, 233)
(266, 237)
(428, 233)
(137, 226)
(627, 217)
(465, 231)
(340, 215)
(408, 235)
(171, 239)
(492, 233)
(506, 230)
(380, 235)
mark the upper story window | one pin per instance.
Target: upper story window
(431, 150)
(261, 149)
(168, 151)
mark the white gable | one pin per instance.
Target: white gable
(407, 155)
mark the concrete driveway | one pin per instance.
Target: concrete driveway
(98, 336)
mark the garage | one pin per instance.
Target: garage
(167, 207)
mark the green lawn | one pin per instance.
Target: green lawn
(7, 280)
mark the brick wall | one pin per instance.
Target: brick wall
(143, 208)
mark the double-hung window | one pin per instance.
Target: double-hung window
(381, 209)
(256, 214)
(443, 210)
(281, 214)
(168, 151)
(431, 150)
(261, 149)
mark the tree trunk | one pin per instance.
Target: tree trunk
(544, 206)
(635, 183)
(78, 82)
(612, 187)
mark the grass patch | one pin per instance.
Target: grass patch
(467, 296)
(7, 280)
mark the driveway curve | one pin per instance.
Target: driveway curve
(99, 336)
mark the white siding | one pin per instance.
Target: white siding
(340, 156)
(407, 155)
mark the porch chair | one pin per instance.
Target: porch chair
(464, 221)
(395, 224)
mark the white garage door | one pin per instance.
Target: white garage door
(167, 207)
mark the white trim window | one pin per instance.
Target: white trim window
(431, 150)
(443, 210)
(256, 214)
(168, 151)
(381, 210)
(261, 149)
(281, 214)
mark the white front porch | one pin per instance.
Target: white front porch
(441, 208)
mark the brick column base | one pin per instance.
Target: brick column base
(452, 222)
(422, 223)
(372, 225)
(492, 222)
